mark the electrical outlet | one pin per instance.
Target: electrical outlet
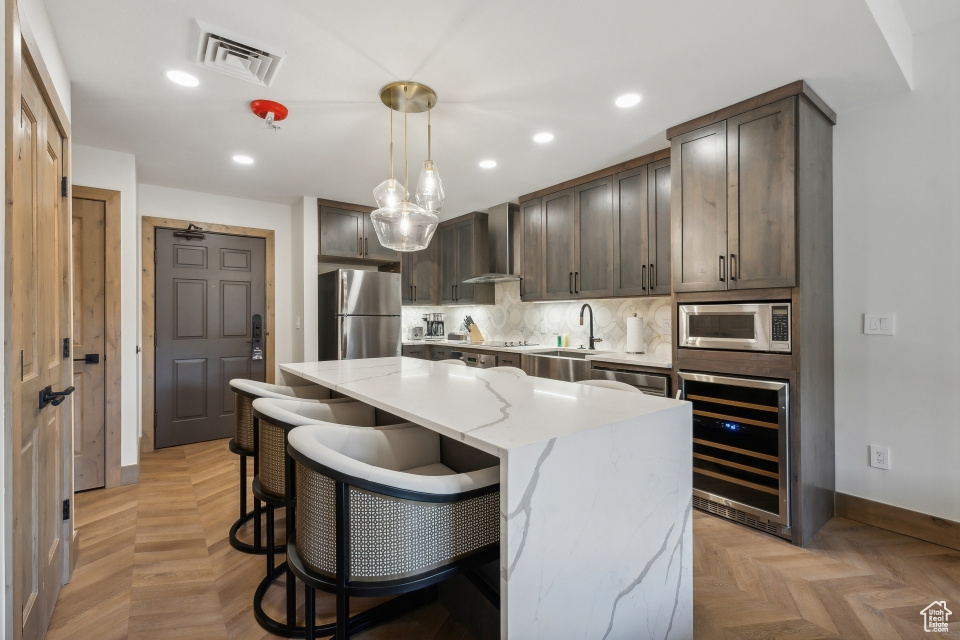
(878, 324)
(879, 457)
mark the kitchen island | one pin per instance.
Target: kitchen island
(595, 490)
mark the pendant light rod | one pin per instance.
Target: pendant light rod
(391, 144)
(405, 171)
(429, 111)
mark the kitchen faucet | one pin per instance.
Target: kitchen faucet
(592, 339)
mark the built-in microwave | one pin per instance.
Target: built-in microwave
(763, 326)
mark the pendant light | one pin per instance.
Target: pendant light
(402, 225)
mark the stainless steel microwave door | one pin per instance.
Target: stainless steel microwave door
(368, 293)
(368, 337)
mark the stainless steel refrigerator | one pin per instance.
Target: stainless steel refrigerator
(359, 314)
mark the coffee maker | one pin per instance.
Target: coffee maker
(433, 323)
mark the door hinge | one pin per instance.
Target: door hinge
(66, 347)
(66, 509)
(64, 187)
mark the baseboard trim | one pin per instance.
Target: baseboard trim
(129, 474)
(922, 526)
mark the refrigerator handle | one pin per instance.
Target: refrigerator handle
(343, 293)
(342, 342)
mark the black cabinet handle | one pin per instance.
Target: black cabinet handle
(733, 266)
(48, 396)
(90, 358)
(643, 278)
(571, 283)
(653, 277)
(360, 246)
(723, 270)
(414, 292)
(576, 280)
(366, 246)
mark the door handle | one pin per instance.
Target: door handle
(653, 277)
(360, 246)
(366, 246)
(48, 396)
(571, 283)
(90, 358)
(643, 278)
(733, 264)
(576, 281)
(723, 270)
(414, 292)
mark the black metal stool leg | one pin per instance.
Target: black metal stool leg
(343, 617)
(309, 611)
(246, 516)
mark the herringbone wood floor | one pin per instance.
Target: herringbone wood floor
(155, 563)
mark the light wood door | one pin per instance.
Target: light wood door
(40, 292)
(699, 209)
(89, 294)
(761, 209)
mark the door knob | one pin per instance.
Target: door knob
(90, 358)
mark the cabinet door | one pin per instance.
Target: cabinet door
(448, 264)
(531, 283)
(466, 260)
(425, 275)
(630, 250)
(558, 245)
(699, 209)
(593, 209)
(658, 228)
(407, 268)
(372, 248)
(761, 203)
(341, 233)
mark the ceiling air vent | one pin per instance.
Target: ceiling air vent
(224, 52)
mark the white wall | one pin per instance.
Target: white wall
(164, 202)
(896, 239)
(118, 171)
(308, 248)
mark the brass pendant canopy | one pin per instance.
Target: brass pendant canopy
(419, 97)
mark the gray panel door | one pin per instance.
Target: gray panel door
(207, 293)
(658, 194)
(369, 337)
(558, 246)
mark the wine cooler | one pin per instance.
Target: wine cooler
(741, 449)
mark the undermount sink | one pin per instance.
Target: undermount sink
(580, 354)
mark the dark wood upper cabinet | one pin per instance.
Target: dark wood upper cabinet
(372, 249)
(341, 233)
(699, 209)
(464, 253)
(418, 276)
(531, 225)
(761, 203)
(734, 206)
(348, 233)
(559, 247)
(631, 248)
(658, 227)
(593, 213)
(407, 266)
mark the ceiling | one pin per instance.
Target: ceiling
(502, 70)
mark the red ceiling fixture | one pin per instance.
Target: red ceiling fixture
(272, 112)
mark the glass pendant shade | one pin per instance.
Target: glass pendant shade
(389, 193)
(404, 227)
(430, 189)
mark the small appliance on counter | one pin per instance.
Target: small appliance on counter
(416, 333)
(434, 325)
(457, 336)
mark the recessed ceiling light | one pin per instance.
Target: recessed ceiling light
(628, 100)
(488, 164)
(182, 78)
(242, 159)
(543, 137)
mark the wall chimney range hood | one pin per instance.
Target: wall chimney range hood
(503, 221)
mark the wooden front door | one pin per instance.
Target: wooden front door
(207, 292)
(40, 293)
(89, 254)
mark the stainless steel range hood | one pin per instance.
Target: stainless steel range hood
(503, 222)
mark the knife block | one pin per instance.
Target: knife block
(475, 335)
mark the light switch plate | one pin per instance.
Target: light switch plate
(878, 324)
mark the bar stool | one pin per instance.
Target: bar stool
(379, 513)
(611, 384)
(273, 484)
(246, 391)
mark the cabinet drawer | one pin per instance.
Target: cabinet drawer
(414, 351)
(508, 360)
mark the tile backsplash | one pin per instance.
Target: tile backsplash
(511, 319)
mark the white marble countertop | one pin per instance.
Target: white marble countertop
(491, 410)
(641, 359)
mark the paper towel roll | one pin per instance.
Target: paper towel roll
(634, 335)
